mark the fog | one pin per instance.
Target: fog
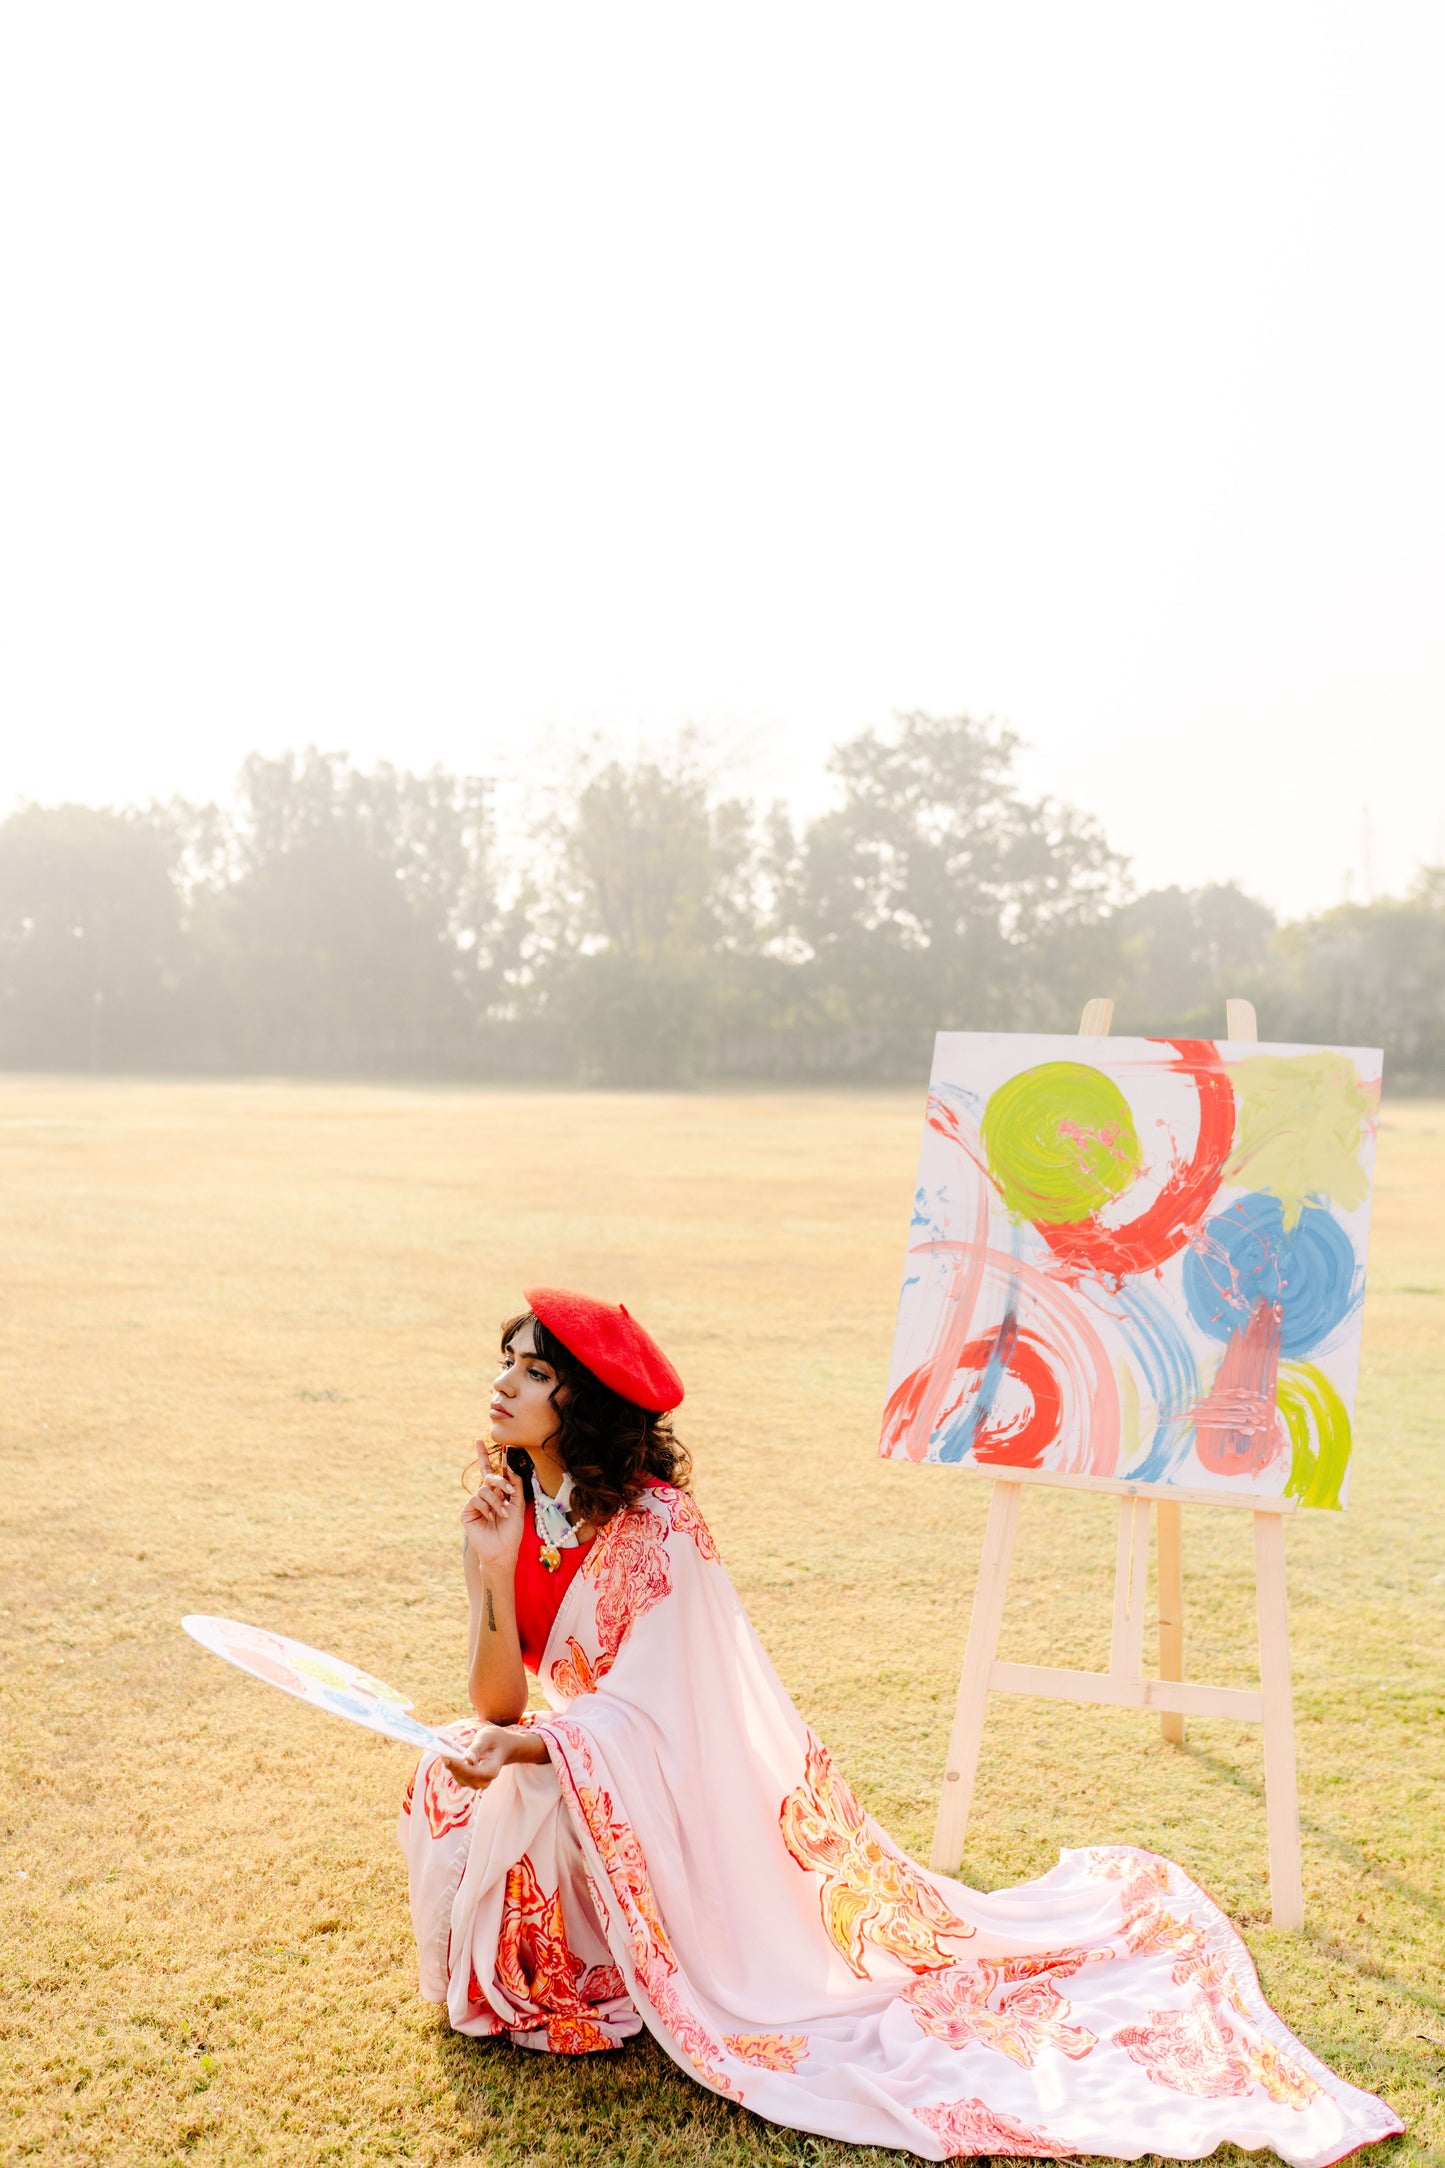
(447, 385)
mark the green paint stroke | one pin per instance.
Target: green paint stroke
(1299, 1124)
(1060, 1142)
(1318, 1423)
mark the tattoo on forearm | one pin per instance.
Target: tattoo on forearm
(491, 1614)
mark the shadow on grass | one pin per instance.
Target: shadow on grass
(1330, 1840)
(628, 2109)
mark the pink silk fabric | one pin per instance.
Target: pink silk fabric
(689, 1858)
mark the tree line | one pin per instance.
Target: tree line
(654, 929)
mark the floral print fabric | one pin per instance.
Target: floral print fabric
(870, 1893)
(535, 1964)
(691, 1858)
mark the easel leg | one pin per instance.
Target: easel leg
(1281, 1790)
(967, 1734)
(1169, 1560)
(1131, 1570)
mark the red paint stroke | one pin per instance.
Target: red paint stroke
(942, 1117)
(912, 1413)
(269, 1668)
(1145, 1243)
(903, 1422)
(1017, 1443)
(1076, 1356)
(1235, 1431)
(916, 1405)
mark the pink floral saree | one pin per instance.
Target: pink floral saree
(689, 1858)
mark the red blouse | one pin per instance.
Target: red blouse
(539, 1593)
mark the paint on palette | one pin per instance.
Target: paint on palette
(1148, 1264)
(328, 1683)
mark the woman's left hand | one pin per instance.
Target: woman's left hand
(493, 1517)
(489, 1753)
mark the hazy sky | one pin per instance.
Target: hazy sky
(425, 380)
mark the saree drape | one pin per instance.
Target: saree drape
(690, 1858)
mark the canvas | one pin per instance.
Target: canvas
(1138, 1258)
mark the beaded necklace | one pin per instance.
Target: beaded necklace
(553, 1525)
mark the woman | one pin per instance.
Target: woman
(669, 1844)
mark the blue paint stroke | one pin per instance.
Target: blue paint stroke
(1166, 1363)
(958, 1438)
(959, 1095)
(1244, 1255)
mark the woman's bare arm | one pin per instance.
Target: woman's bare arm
(496, 1676)
(492, 1522)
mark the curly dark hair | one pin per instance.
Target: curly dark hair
(609, 1446)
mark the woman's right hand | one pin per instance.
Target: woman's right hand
(492, 1518)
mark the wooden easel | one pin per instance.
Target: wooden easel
(1123, 1685)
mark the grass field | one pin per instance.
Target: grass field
(246, 1336)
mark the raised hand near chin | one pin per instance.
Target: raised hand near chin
(492, 1518)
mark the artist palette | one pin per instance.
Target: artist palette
(313, 1676)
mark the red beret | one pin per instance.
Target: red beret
(611, 1343)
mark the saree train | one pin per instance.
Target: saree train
(689, 1858)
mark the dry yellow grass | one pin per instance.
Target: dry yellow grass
(246, 1334)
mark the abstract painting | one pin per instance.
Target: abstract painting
(325, 1681)
(1140, 1259)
